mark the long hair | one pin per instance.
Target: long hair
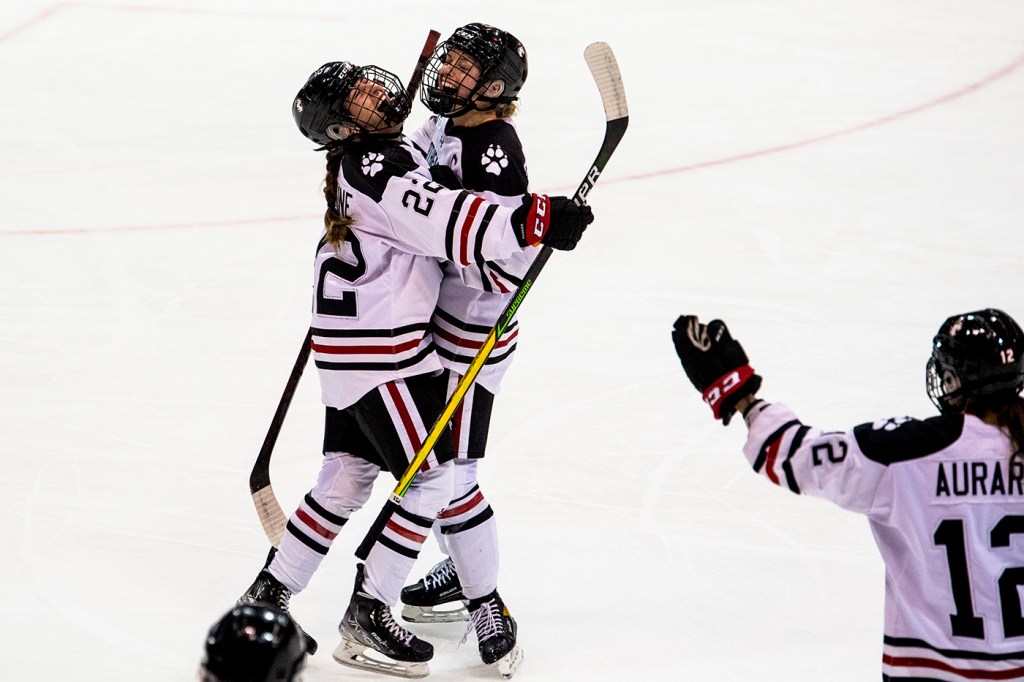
(1008, 415)
(506, 109)
(336, 224)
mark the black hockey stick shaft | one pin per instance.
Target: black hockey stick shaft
(421, 63)
(268, 509)
(606, 74)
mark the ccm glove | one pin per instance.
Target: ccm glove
(556, 221)
(715, 363)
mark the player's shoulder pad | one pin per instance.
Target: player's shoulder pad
(492, 158)
(369, 166)
(900, 439)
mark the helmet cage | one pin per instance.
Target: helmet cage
(975, 356)
(340, 99)
(497, 54)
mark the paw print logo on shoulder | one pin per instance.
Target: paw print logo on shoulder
(371, 163)
(890, 424)
(494, 159)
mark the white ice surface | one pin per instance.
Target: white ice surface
(831, 178)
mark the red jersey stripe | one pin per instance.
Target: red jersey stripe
(403, 414)
(916, 662)
(366, 350)
(467, 225)
(463, 342)
(769, 464)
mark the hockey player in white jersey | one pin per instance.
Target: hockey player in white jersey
(471, 84)
(376, 282)
(943, 495)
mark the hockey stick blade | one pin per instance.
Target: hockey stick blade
(268, 509)
(605, 70)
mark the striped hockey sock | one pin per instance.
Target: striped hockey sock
(393, 554)
(309, 534)
(471, 535)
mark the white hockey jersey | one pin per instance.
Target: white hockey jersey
(489, 161)
(373, 299)
(947, 511)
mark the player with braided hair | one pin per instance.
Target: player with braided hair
(471, 84)
(376, 282)
(944, 496)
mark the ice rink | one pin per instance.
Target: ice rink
(831, 178)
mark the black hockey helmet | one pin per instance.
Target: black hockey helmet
(498, 54)
(340, 98)
(253, 643)
(976, 355)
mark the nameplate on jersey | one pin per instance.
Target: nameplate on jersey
(957, 481)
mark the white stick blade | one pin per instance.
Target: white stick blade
(606, 74)
(271, 516)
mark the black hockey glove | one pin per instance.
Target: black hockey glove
(445, 176)
(715, 363)
(556, 221)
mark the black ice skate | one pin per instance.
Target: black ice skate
(371, 639)
(267, 589)
(437, 598)
(495, 634)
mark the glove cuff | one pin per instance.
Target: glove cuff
(725, 386)
(538, 219)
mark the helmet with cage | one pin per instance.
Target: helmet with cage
(977, 357)
(477, 64)
(340, 99)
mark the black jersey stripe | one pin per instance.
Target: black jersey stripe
(449, 234)
(374, 333)
(763, 454)
(478, 245)
(378, 366)
(488, 285)
(511, 278)
(951, 653)
(787, 466)
(466, 326)
(493, 359)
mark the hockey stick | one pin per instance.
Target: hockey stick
(268, 509)
(605, 71)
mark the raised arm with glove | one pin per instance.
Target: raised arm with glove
(715, 363)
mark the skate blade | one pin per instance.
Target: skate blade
(509, 663)
(431, 614)
(356, 655)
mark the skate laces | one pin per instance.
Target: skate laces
(439, 574)
(276, 593)
(268, 590)
(388, 621)
(486, 620)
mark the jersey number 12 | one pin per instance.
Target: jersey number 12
(950, 534)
